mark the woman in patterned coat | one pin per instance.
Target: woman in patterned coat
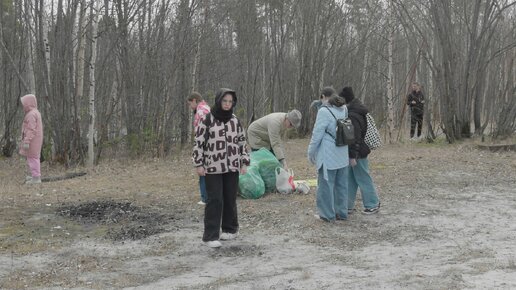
(220, 155)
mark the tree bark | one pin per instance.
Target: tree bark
(91, 125)
(390, 77)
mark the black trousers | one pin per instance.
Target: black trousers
(221, 207)
(416, 118)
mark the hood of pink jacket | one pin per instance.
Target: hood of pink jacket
(29, 102)
(202, 110)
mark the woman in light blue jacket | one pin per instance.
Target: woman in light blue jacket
(331, 161)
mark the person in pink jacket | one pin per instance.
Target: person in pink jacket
(32, 138)
(200, 109)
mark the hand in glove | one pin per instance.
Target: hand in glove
(25, 146)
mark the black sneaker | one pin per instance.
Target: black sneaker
(371, 210)
(339, 218)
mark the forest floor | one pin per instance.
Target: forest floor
(447, 222)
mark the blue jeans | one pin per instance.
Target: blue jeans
(202, 187)
(359, 178)
(332, 194)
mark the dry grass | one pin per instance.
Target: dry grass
(416, 182)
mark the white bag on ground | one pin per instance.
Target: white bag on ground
(302, 187)
(284, 181)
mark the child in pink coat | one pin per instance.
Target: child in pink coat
(200, 109)
(32, 137)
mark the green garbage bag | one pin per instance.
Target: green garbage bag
(251, 184)
(267, 163)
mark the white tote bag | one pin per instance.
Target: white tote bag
(284, 180)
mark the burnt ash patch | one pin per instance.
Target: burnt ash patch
(99, 211)
(124, 220)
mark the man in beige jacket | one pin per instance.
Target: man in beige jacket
(266, 132)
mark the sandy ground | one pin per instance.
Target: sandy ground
(448, 221)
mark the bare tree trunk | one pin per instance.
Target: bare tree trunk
(182, 56)
(81, 35)
(11, 60)
(43, 58)
(46, 45)
(93, 61)
(326, 48)
(506, 121)
(79, 75)
(390, 78)
(428, 108)
(447, 72)
(131, 119)
(365, 72)
(29, 27)
(306, 84)
(488, 100)
(248, 52)
(196, 61)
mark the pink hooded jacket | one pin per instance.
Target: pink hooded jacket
(202, 110)
(32, 128)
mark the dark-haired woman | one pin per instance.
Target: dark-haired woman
(359, 176)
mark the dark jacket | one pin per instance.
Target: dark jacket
(357, 113)
(419, 98)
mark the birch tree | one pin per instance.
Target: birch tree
(390, 75)
(94, 35)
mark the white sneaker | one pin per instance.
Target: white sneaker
(322, 219)
(201, 202)
(213, 244)
(27, 178)
(228, 236)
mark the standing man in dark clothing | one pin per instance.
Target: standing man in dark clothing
(359, 176)
(416, 102)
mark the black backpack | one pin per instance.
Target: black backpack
(345, 131)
